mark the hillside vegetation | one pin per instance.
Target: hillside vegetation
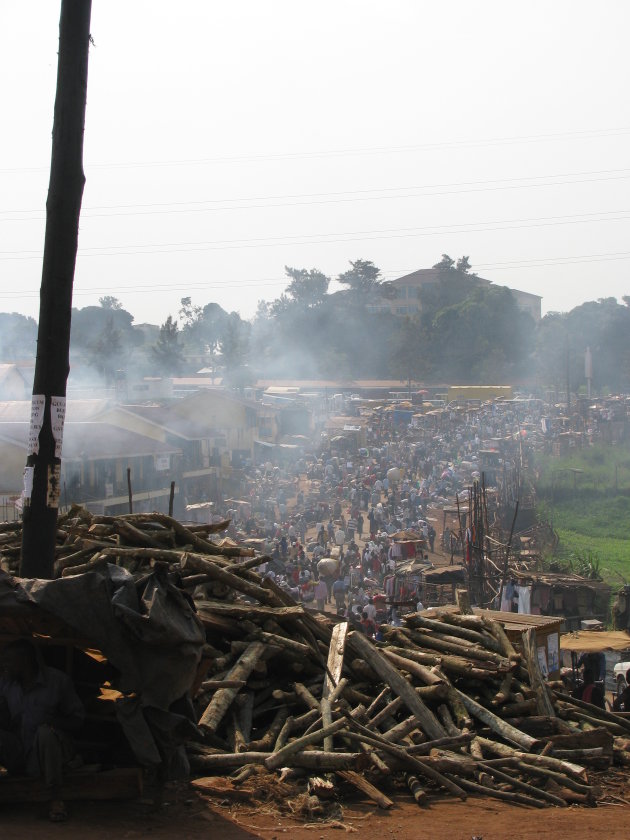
(590, 509)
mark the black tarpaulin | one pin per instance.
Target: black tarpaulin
(148, 631)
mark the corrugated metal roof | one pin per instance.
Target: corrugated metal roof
(18, 411)
(95, 441)
(177, 424)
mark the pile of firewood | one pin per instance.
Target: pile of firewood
(441, 704)
(86, 541)
(446, 704)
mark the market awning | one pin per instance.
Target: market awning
(595, 641)
(446, 574)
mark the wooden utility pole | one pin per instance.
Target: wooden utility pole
(52, 364)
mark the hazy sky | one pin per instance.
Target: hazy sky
(225, 140)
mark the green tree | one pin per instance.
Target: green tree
(189, 313)
(18, 337)
(362, 280)
(455, 284)
(109, 328)
(445, 264)
(485, 337)
(110, 302)
(106, 353)
(167, 352)
(235, 351)
(408, 351)
(281, 306)
(550, 353)
(234, 342)
(191, 319)
(307, 287)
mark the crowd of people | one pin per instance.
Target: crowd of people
(350, 504)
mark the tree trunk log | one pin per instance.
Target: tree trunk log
(510, 733)
(223, 698)
(366, 787)
(398, 684)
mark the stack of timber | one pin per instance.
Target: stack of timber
(441, 705)
(86, 541)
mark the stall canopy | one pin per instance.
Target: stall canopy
(595, 641)
(446, 574)
(413, 566)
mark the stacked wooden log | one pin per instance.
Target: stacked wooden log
(447, 705)
(86, 541)
(440, 705)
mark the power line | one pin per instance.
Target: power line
(589, 134)
(152, 288)
(543, 262)
(335, 237)
(168, 208)
(200, 285)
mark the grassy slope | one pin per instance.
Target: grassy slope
(596, 519)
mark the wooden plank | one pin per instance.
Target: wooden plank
(537, 682)
(399, 685)
(335, 657)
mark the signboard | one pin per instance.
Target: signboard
(162, 463)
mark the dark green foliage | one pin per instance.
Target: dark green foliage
(168, 352)
(562, 339)
(18, 337)
(467, 331)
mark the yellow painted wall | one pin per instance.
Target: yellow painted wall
(133, 423)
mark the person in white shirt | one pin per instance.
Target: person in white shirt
(369, 610)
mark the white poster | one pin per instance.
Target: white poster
(542, 661)
(29, 473)
(38, 404)
(162, 463)
(54, 485)
(57, 419)
(553, 652)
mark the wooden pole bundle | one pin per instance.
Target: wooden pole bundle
(444, 704)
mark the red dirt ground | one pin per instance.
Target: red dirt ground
(190, 816)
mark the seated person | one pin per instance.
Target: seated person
(39, 709)
(595, 663)
(590, 691)
(621, 703)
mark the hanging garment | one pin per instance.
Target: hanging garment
(524, 599)
(506, 597)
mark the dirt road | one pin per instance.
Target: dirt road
(191, 817)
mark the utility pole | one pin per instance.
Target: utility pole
(588, 370)
(52, 363)
(568, 360)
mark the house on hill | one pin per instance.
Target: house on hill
(406, 301)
